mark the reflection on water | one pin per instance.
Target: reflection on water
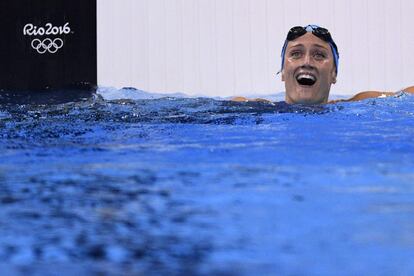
(202, 186)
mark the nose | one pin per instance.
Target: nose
(308, 60)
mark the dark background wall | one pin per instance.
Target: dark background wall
(57, 50)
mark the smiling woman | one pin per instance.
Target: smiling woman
(310, 61)
(309, 64)
(309, 70)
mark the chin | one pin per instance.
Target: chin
(308, 101)
(308, 97)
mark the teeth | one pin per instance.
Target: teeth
(306, 76)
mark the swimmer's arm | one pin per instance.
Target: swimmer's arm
(373, 94)
(365, 95)
(244, 100)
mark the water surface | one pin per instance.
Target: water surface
(203, 186)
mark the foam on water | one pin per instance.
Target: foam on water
(205, 186)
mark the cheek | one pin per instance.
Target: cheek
(329, 73)
(287, 73)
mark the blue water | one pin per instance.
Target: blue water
(207, 187)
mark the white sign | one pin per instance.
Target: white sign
(46, 45)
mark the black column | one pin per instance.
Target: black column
(48, 46)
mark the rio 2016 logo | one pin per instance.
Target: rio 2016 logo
(46, 45)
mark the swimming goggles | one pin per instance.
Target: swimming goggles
(320, 32)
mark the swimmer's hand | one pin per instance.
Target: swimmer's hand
(245, 100)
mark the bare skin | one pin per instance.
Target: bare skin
(358, 97)
(309, 71)
(373, 94)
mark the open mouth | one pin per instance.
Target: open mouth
(306, 79)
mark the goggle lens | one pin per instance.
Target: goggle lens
(298, 31)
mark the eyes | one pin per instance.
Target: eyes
(317, 54)
(295, 54)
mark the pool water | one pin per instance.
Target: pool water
(207, 187)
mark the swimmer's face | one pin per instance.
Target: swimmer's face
(309, 70)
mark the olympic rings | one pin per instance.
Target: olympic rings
(47, 45)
